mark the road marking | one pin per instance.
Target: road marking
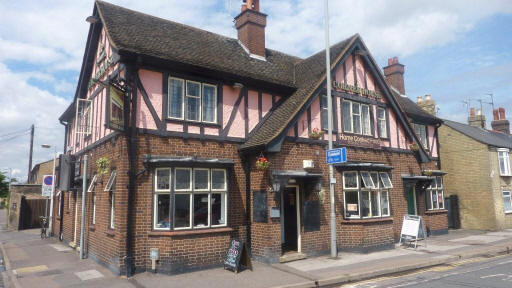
(490, 276)
(88, 275)
(31, 269)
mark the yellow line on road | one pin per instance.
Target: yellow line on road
(31, 269)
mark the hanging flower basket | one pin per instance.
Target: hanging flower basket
(316, 134)
(414, 147)
(262, 163)
(103, 165)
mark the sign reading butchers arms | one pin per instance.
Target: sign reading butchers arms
(356, 90)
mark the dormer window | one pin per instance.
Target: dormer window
(192, 101)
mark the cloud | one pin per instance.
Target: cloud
(22, 106)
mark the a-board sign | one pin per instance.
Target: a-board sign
(412, 229)
(237, 253)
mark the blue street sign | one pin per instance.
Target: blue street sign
(338, 155)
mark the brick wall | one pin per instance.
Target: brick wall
(468, 167)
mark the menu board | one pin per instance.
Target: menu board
(260, 206)
(233, 255)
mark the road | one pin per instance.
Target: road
(478, 272)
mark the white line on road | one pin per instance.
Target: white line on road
(489, 276)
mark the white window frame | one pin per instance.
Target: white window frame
(384, 133)
(156, 180)
(357, 181)
(94, 209)
(225, 180)
(192, 96)
(110, 181)
(380, 203)
(112, 208)
(81, 110)
(352, 190)
(208, 182)
(214, 103)
(431, 190)
(190, 207)
(390, 186)
(224, 195)
(324, 110)
(92, 185)
(208, 194)
(510, 199)
(190, 177)
(182, 99)
(352, 114)
(369, 120)
(370, 185)
(505, 154)
(155, 209)
(418, 129)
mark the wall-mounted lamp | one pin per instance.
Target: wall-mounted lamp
(92, 19)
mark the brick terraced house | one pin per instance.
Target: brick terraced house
(194, 139)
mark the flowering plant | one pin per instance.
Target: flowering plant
(316, 133)
(262, 163)
(414, 147)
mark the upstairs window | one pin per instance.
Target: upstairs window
(504, 162)
(192, 101)
(421, 131)
(382, 125)
(356, 118)
(324, 111)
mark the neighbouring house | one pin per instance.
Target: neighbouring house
(193, 138)
(26, 206)
(477, 161)
(41, 169)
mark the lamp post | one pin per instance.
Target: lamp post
(50, 226)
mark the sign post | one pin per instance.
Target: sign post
(47, 186)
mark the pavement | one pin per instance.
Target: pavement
(34, 262)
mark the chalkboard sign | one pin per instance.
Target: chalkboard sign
(311, 215)
(236, 252)
(260, 206)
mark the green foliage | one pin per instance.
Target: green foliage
(103, 165)
(4, 185)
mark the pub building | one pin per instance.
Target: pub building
(194, 139)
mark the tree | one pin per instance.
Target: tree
(4, 185)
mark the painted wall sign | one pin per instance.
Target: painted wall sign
(357, 90)
(103, 69)
(359, 141)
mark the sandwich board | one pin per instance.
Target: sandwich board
(413, 229)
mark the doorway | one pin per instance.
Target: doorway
(410, 191)
(290, 221)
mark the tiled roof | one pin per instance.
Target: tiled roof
(144, 34)
(310, 73)
(485, 136)
(413, 111)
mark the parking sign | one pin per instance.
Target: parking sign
(47, 185)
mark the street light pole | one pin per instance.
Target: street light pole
(334, 252)
(50, 217)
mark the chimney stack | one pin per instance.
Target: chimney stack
(477, 120)
(250, 24)
(394, 73)
(428, 105)
(500, 122)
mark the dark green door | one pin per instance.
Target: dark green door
(411, 200)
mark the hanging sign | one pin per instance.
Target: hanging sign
(47, 185)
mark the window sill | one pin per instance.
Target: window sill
(430, 212)
(110, 232)
(190, 232)
(360, 135)
(189, 122)
(367, 220)
(508, 212)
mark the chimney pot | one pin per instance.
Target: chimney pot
(419, 99)
(502, 113)
(427, 97)
(479, 112)
(495, 114)
(472, 112)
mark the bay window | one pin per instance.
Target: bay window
(435, 194)
(192, 101)
(382, 123)
(356, 118)
(504, 162)
(195, 199)
(365, 194)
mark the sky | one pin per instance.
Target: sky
(454, 50)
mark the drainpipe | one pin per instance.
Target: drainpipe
(247, 170)
(82, 224)
(62, 192)
(131, 138)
